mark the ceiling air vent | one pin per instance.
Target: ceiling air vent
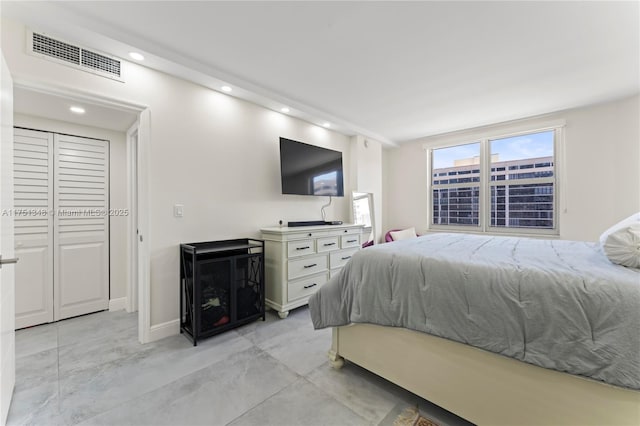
(75, 56)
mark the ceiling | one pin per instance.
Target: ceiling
(393, 71)
(56, 107)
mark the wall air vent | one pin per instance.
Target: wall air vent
(74, 56)
(56, 49)
(100, 62)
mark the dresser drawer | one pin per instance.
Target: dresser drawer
(347, 241)
(307, 266)
(300, 248)
(305, 235)
(306, 287)
(328, 244)
(350, 231)
(340, 258)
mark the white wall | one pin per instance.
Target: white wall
(366, 174)
(117, 189)
(213, 153)
(602, 169)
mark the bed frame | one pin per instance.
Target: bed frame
(480, 386)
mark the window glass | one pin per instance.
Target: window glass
(532, 152)
(456, 192)
(516, 158)
(522, 206)
(457, 206)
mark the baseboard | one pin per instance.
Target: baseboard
(165, 329)
(117, 304)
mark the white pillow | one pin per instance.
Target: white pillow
(621, 242)
(404, 234)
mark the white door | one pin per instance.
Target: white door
(81, 228)
(7, 295)
(33, 197)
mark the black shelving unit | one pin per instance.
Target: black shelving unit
(221, 286)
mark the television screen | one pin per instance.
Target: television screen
(310, 170)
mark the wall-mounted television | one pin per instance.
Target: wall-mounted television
(310, 170)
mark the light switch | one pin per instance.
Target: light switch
(178, 210)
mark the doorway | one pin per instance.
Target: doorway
(128, 253)
(61, 197)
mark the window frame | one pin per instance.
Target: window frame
(484, 212)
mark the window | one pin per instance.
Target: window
(503, 184)
(456, 198)
(523, 196)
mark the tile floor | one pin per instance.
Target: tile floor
(91, 370)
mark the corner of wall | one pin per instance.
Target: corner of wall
(118, 304)
(163, 330)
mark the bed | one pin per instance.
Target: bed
(498, 330)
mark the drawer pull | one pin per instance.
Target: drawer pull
(302, 248)
(310, 285)
(329, 244)
(351, 241)
(346, 258)
(312, 265)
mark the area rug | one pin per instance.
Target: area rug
(411, 417)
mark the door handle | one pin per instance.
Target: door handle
(5, 261)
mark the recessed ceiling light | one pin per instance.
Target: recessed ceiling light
(326, 124)
(77, 110)
(137, 56)
(226, 89)
(285, 110)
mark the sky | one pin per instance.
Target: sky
(514, 148)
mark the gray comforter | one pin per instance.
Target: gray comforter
(556, 304)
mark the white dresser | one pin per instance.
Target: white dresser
(300, 260)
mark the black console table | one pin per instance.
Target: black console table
(221, 286)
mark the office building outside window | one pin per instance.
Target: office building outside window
(519, 190)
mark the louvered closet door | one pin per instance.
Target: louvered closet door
(81, 237)
(33, 184)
